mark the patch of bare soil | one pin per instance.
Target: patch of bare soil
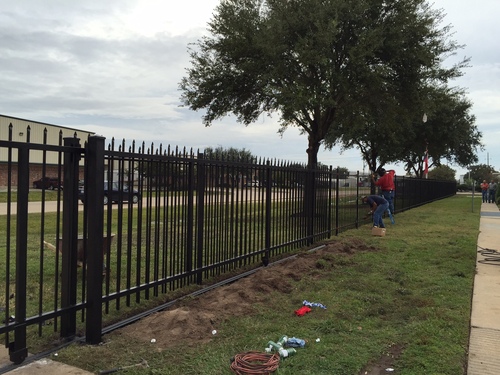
(192, 321)
(385, 364)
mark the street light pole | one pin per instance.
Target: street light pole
(426, 157)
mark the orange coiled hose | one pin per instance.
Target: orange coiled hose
(255, 363)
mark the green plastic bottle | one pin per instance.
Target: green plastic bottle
(284, 353)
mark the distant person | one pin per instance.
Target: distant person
(492, 191)
(378, 206)
(484, 191)
(386, 185)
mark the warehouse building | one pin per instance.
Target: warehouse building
(21, 130)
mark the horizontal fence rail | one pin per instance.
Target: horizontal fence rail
(136, 224)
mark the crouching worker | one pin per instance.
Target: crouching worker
(378, 206)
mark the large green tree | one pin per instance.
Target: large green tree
(442, 172)
(481, 172)
(448, 132)
(315, 62)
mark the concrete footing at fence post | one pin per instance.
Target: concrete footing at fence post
(40, 366)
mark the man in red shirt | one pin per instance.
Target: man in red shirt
(484, 189)
(386, 185)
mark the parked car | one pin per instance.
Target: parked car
(114, 194)
(49, 183)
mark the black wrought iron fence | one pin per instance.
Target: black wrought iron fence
(147, 221)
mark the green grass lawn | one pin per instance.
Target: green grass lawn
(35, 195)
(412, 290)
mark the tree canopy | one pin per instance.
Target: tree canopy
(449, 132)
(231, 153)
(442, 172)
(321, 65)
(481, 172)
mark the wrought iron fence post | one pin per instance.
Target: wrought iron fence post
(17, 349)
(337, 201)
(310, 199)
(357, 200)
(95, 241)
(190, 219)
(268, 229)
(69, 237)
(330, 200)
(200, 213)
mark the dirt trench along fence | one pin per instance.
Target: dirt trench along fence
(78, 260)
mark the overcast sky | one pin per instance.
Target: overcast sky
(113, 67)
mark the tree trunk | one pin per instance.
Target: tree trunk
(312, 153)
(309, 189)
(373, 168)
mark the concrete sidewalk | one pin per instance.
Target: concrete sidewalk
(484, 340)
